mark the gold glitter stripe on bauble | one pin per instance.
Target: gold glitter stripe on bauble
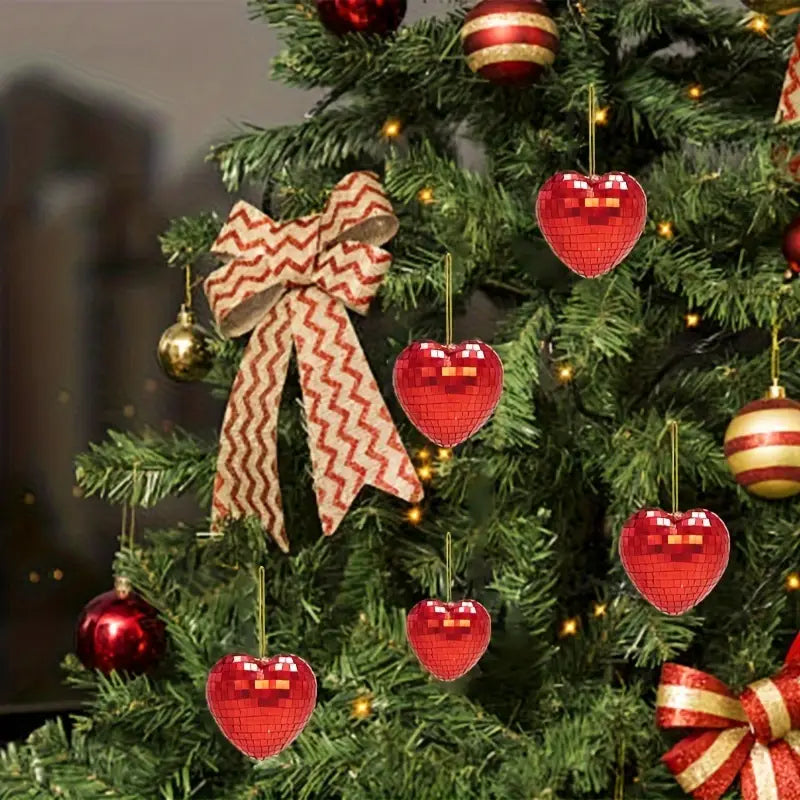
(516, 19)
(774, 490)
(777, 455)
(686, 698)
(698, 772)
(499, 53)
(764, 421)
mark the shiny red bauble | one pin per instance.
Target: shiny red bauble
(509, 42)
(361, 16)
(790, 246)
(261, 704)
(591, 222)
(448, 638)
(118, 630)
(674, 560)
(448, 391)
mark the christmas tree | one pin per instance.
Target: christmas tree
(561, 706)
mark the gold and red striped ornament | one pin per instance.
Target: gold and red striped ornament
(754, 736)
(762, 446)
(510, 41)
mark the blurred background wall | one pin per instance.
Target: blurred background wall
(107, 109)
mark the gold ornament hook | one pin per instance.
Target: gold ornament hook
(673, 433)
(448, 298)
(262, 614)
(448, 561)
(592, 129)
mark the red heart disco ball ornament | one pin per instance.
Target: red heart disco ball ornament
(261, 704)
(448, 638)
(448, 391)
(591, 222)
(674, 560)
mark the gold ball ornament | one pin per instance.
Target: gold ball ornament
(183, 350)
(773, 6)
(762, 446)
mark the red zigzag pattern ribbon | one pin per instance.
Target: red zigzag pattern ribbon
(290, 282)
(789, 104)
(755, 735)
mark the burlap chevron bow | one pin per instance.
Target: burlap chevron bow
(755, 735)
(789, 103)
(290, 281)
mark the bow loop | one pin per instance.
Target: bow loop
(288, 283)
(759, 739)
(358, 210)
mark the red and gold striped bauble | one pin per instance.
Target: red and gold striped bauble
(509, 41)
(762, 446)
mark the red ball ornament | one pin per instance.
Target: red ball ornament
(509, 41)
(591, 223)
(119, 630)
(361, 16)
(261, 704)
(448, 638)
(448, 391)
(790, 246)
(674, 560)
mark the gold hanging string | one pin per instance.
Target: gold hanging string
(262, 614)
(448, 561)
(448, 299)
(131, 515)
(123, 534)
(673, 432)
(619, 783)
(187, 301)
(775, 356)
(592, 128)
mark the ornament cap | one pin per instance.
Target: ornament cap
(775, 392)
(122, 585)
(185, 316)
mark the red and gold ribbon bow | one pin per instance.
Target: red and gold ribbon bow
(755, 735)
(290, 281)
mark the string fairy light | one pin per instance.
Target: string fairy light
(695, 91)
(425, 472)
(425, 195)
(759, 24)
(392, 128)
(692, 319)
(565, 373)
(414, 515)
(664, 229)
(792, 582)
(601, 115)
(569, 627)
(362, 707)
(445, 454)
(599, 609)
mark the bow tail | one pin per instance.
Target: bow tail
(771, 773)
(247, 465)
(352, 438)
(706, 764)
